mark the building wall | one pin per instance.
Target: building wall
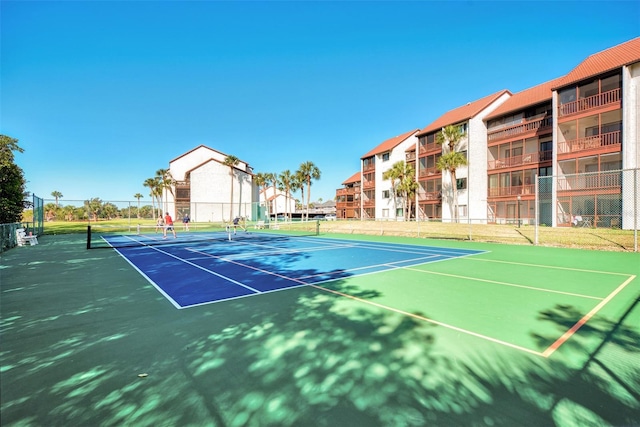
(211, 191)
(630, 120)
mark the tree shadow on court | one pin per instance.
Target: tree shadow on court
(298, 357)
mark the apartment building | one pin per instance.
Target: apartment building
(435, 188)
(596, 129)
(203, 186)
(348, 198)
(519, 147)
(378, 198)
(584, 122)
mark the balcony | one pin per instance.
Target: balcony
(369, 184)
(611, 97)
(429, 172)
(426, 148)
(347, 191)
(369, 167)
(512, 191)
(525, 159)
(433, 196)
(518, 130)
(411, 156)
(601, 182)
(608, 142)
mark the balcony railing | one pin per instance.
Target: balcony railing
(369, 167)
(431, 196)
(521, 128)
(429, 172)
(584, 104)
(512, 191)
(524, 159)
(368, 184)
(411, 156)
(611, 139)
(591, 182)
(429, 147)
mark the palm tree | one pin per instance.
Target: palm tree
(408, 187)
(273, 178)
(451, 159)
(395, 174)
(231, 162)
(287, 181)
(138, 196)
(261, 180)
(166, 182)
(57, 196)
(298, 183)
(155, 192)
(309, 171)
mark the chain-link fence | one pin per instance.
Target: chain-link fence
(596, 201)
(96, 210)
(598, 210)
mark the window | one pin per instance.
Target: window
(385, 157)
(462, 211)
(385, 194)
(385, 213)
(461, 183)
(567, 95)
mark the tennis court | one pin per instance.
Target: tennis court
(318, 330)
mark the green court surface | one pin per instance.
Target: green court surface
(514, 336)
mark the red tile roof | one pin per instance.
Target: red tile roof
(463, 113)
(390, 144)
(353, 179)
(601, 62)
(526, 98)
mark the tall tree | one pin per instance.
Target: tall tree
(231, 162)
(450, 137)
(57, 195)
(395, 175)
(7, 146)
(138, 196)
(12, 182)
(273, 177)
(166, 182)
(402, 176)
(408, 187)
(262, 181)
(299, 180)
(152, 185)
(310, 172)
(287, 181)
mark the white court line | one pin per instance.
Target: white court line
(533, 288)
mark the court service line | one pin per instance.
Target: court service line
(385, 307)
(568, 334)
(533, 288)
(553, 267)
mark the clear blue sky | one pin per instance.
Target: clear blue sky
(102, 94)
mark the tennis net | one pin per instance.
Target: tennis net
(118, 236)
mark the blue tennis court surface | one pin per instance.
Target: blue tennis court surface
(195, 273)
